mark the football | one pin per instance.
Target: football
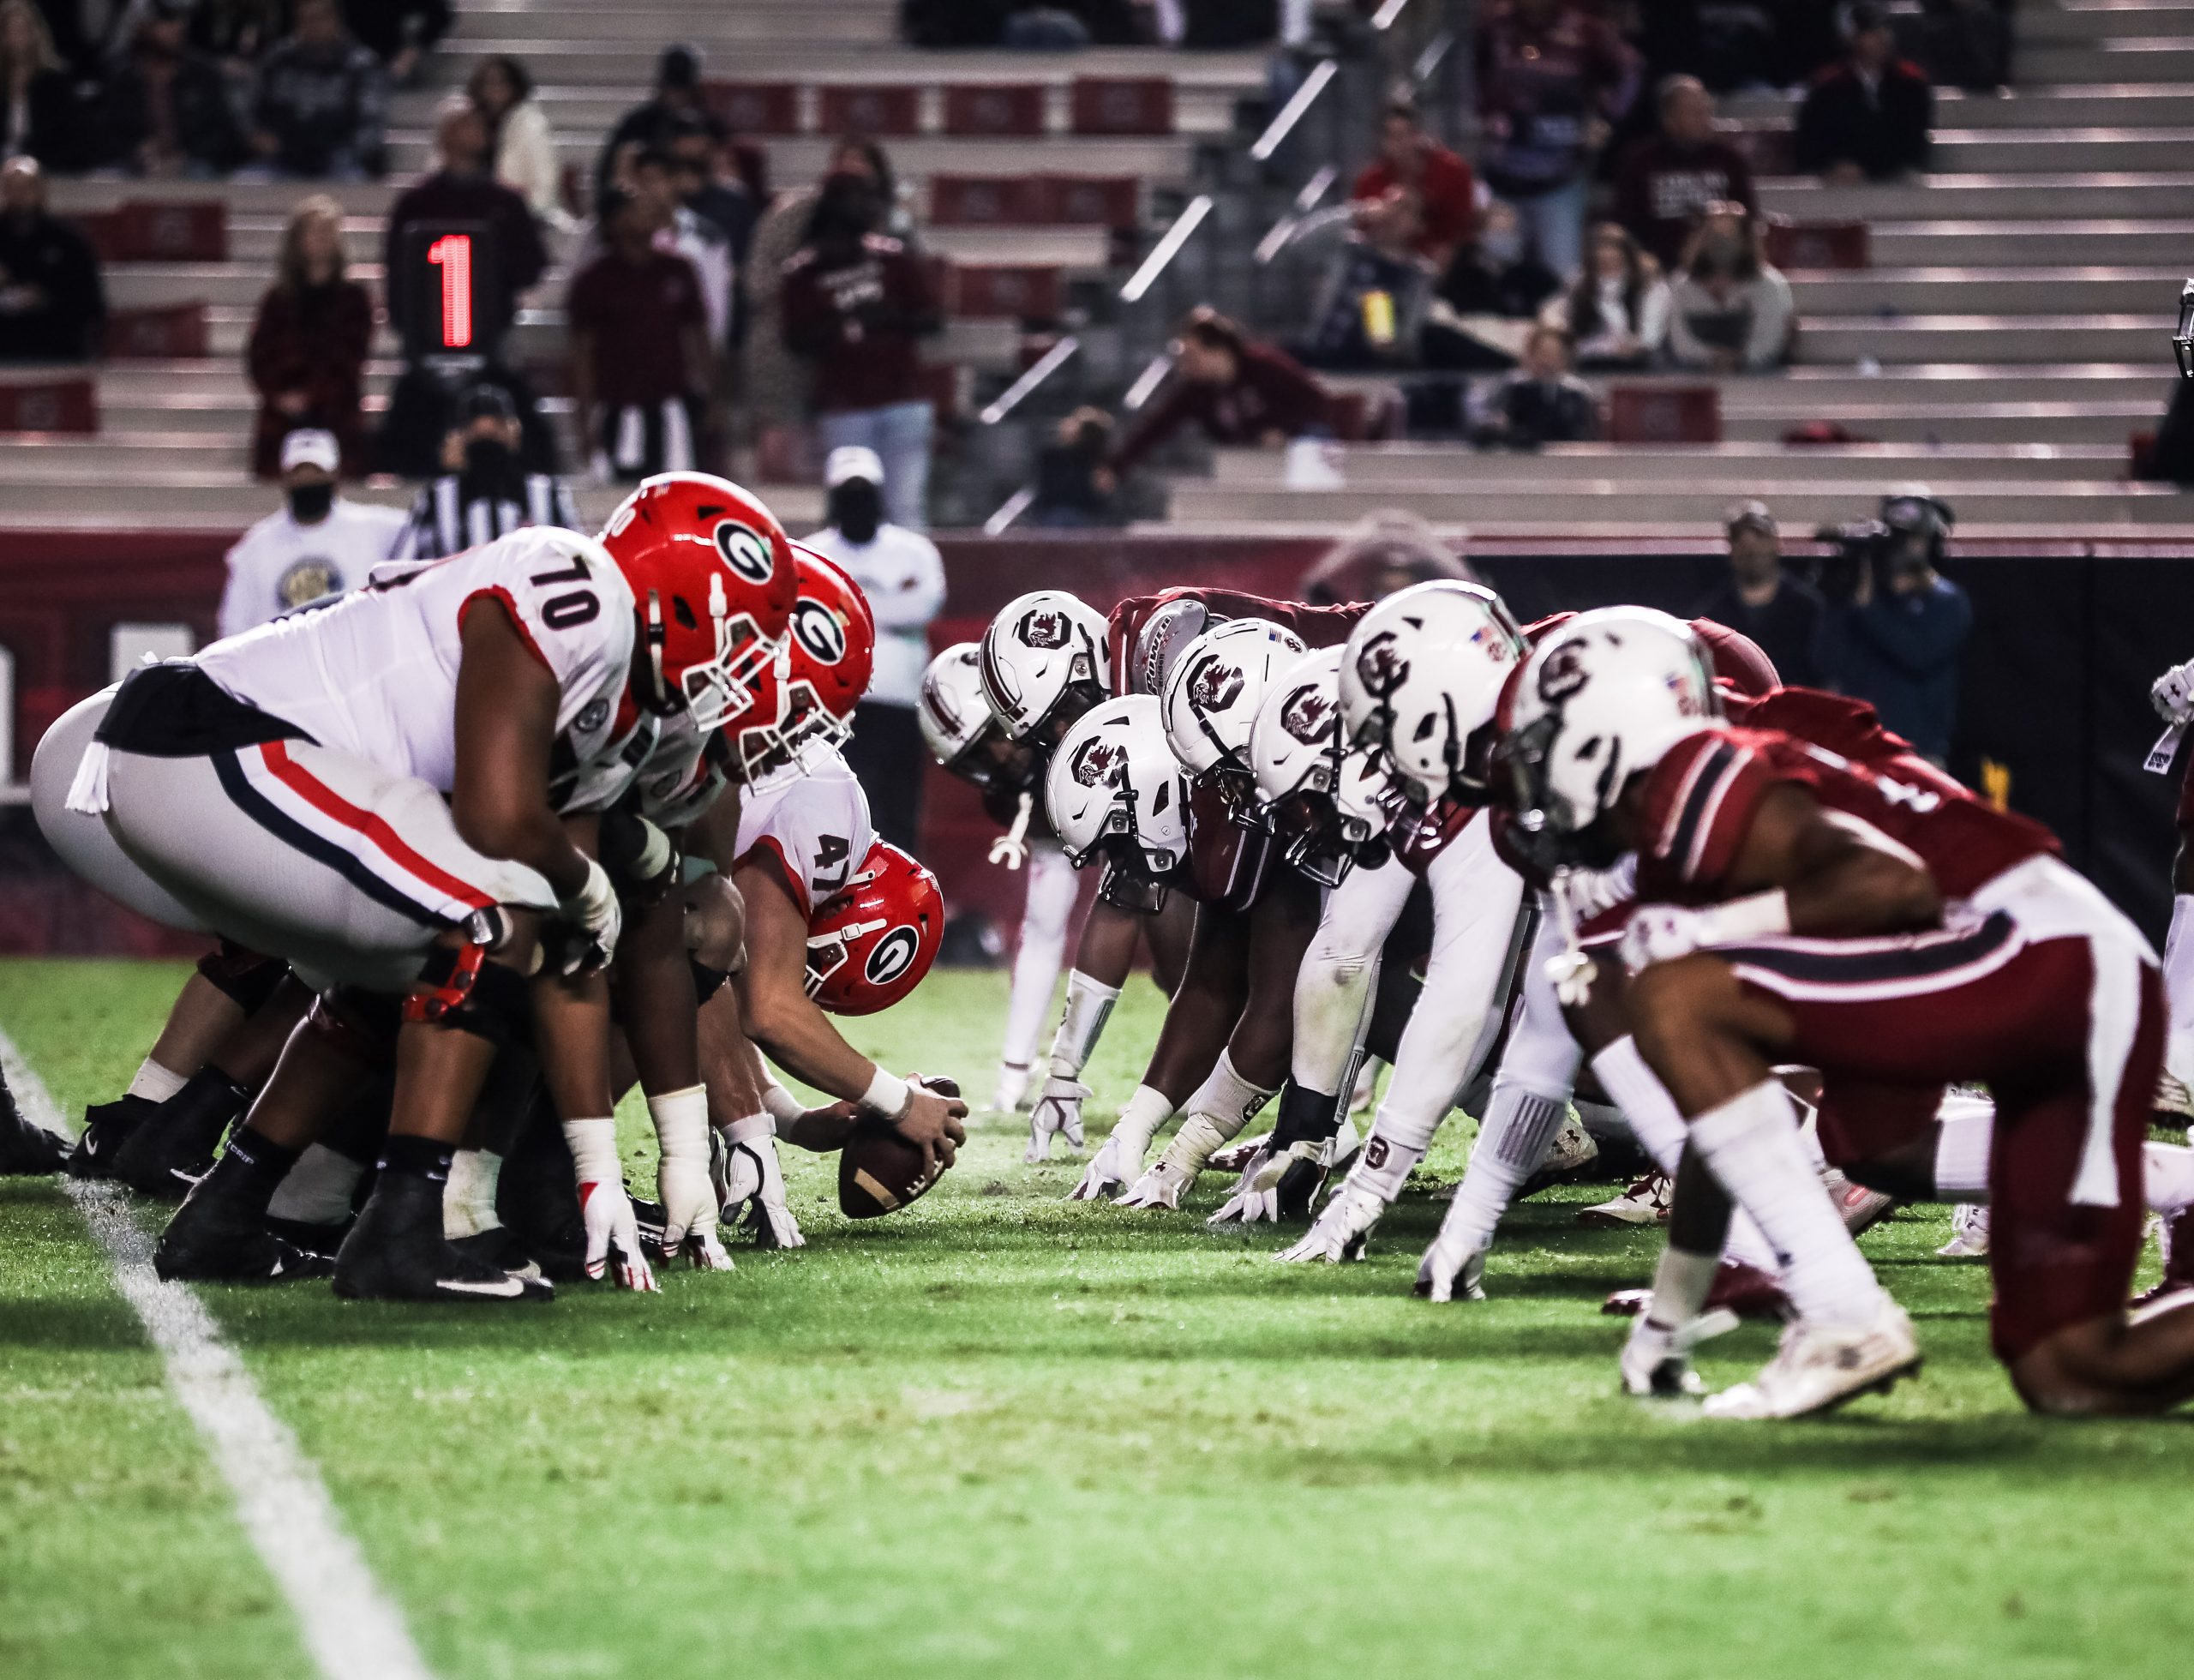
(879, 1171)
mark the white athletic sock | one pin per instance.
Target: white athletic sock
(1962, 1145)
(469, 1197)
(1146, 1111)
(1385, 1165)
(2179, 990)
(1229, 1100)
(318, 1189)
(1681, 1282)
(156, 1083)
(1654, 1120)
(1088, 1002)
(1519, 1126)
(1036, 964)
(1751, 1145)
(2167, 1174)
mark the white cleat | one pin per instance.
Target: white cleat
(1341, 1233)
(1968, 1232)
(1820, 1366)
(1861, 1208)
(1646, 1202)
(1111, 1171)
(1571, 1152)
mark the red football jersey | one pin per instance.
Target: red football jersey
(1229, 867)
(1139, 659)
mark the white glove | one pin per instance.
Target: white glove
(1110, 1171)
(1162, 1186)
(1058, 1113)
(1451, 1270)
(1179, 1167)
(1249, 1205)
(1659, 933)
(2172, 695)
(1341, 1230)
(1655, 1362)
(749, 1175)
(1011, 848)
(613, 1235)
(683, 1182)
(594, 911)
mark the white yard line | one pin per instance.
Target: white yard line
(351, 1628)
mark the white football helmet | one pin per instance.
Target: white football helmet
(1212, 697)
(1325, 799)
(951, 707)
(1603, 697)
(1040, 657)
(1114, 791)
(1422, 674)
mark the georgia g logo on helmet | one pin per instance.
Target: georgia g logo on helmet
(1381, 666)
(1214, 685)
(1308, 715)
(746, 551)
(1097, 762)
(892, 956)
(1563, 674)
(818, 630)
(1042, 628)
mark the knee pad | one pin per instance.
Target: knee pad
(462, 987)
(359, 1026)
(244, 977)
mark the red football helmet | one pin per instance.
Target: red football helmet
(829, 651)
(712, 574)
(870, 944)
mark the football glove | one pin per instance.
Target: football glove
(683, 1181)
(1341, 1232)
(1179, 1167)
(594, 917)
(1278, 1188)
(1108, 1171)
(1451, 1271)
(749, 1176)
(613, 1235)
(1058, 1113)
(2172, 695)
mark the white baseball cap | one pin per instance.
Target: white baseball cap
(311, 446)
(853, 460)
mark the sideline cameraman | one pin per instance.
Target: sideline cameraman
(1895, 628)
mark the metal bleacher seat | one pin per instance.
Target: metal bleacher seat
(61, 403)
(1664, 414)
(1122, 104)
(994, 109)
(869, 108)
(767, 108)
(158, 332)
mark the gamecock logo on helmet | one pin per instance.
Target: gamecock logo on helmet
(1381, 666)
(746, 551)
(1214, 685)
(1042, 627)
(1563, 674)
(1097, 762)
(819, 632)
(892, 956)
(1308, 714)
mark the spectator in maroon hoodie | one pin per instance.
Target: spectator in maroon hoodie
(640, 356)
(1440, 181)
(1239, 392)
(307, 353)
(1868, 118)
(1668, 179)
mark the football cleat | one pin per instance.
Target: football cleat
(175, 1147)
(1655, 1360)
(1744, 1290)
(1819, 1367)
(1862, 1208)
(1968, 1232)
(500, 1247)
(1342, 1230)
(1569, 1157)
(321, 1239)
(1646, 1202)
(212, 1240)
(27, 1150)
(1012, 1093)
(107, 1127)
(1056, 1114)
(396, 1252)
(1442, 1275)
(1107, 1172)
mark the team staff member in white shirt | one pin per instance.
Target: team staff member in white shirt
(900, 573)
(319, 545)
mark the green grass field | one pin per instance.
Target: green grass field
(1002, 1435)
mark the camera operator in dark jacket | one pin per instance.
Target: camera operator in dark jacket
(1895, 627)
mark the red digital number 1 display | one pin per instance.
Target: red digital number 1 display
(453, 255)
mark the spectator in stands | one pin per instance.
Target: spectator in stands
(399, 32)
(37, 107)
(1439, 181)
(677, 89)
(318, 544)
(462, 190)
(1541, 402)
(647, 173)
(1496, 278)
(1240, 390)
(1964, 44)
(483, 490)
(167, 107)
(1780, 611)
(1075, 487)
(501, 90)
(1867, 118)
(1897, 640)
(307, 352)
(1367, 312)
(707, 187)
(1730, 310)
(900, 573)
(1668, 179)
(857, 303)
(52, 305)
(322, 102)
(639, 346)
(1552, 79)
(1618, 310)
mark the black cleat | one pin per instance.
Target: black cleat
(107, 1127)
(538, 1199)
(395, 1252)
(321, 1239)
(212, 1240)
(174, 1148)
(501, 1248)
(27, 1150)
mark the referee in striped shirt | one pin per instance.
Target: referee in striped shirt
(483, 491)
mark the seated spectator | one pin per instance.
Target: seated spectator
(1541, 402)
(1964, 44)
(399, 32)
(307, 352)
(1496, 279)
(1867, 118)
(52, 304)
(1668, 179)
(167, 107)
(1440, 182)
(1898, 637)
(461, 190)
(1778, 609)
(677, 89)
(37, 107)
(1240, 390)
(322, 102)
(483, 490)
(640, 354)
(1552, 79)
(1372, 304)
(1074, 486)
(1618, 310)
(318, 544)
(1730, 310)
(501, 90)
(856, 305)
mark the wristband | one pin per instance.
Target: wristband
(594, 1150)
(1763, 915)
(888, 1095)
(753, 1129)
(779, 1104)
(682, 1123)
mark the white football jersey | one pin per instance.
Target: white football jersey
(375, 674)
(813, 817)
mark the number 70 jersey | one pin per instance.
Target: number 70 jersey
(376, 674)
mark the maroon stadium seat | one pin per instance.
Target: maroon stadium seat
(1819, 244)
(1664, 414)
(1103, 105)
(158, 332)
(154, 230)
(49, 405)
(755, 107)
(1090, 200)
(994, 108)
(986, 200)
(868, 108)
(1017, 291)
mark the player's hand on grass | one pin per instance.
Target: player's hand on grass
(1108, 1173)
(751, 1181)
(1452, 1270)
(685, 1182)
(1248, 1205)
(1341, 1230)
(613, 1234)
(1058, 1114)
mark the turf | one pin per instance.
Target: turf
(999, 1434)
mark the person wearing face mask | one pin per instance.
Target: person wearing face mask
(315, 547)
(483, 490)
(900, 573)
